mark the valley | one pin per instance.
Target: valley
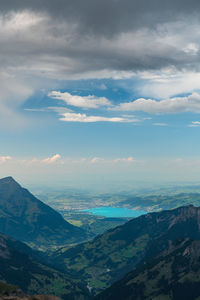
(77, 206)
(98, 256)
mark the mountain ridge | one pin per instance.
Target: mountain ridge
(26, 218)
(118, 251)
(174, 274)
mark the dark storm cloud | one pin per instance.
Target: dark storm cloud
(80, 36)
(108, 16)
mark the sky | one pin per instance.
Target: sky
(100, 92)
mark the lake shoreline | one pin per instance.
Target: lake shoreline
(114, 212)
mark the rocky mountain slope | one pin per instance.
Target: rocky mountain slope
(25, 218)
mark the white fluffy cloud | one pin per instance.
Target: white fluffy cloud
(52, 159)
(189, 103)
(83, 118)
(80, 101)
(97, 160)
(169, 82)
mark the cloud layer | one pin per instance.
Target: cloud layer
(58, 159)
(48, 41)
(75, 40)
(189, 103)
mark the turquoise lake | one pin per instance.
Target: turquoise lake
(115, 212)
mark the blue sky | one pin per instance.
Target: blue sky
(155, 147)
(89, 98)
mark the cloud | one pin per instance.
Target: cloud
(97, 160)
(4, 159)
(100, 18)
(80, 101)
(47, 42)
(189, 103)
(13, 93)
(64, 161)
(129, 159)
(194, 124)
(68, 41)
(52, 159)
(38, 109)
(103, 87)
(160, 124)
(169, 82)
(83, 118)
(116, 160)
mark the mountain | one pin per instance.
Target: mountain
(19, 267)
(11, 292)
(110, 256)
(173, 275)
(163, 200)
(8, 290)
(25, 218)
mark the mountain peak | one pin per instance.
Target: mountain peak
(30, 220)
(8, 180)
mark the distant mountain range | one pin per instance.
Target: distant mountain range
(25, 218)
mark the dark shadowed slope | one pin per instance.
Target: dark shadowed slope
(110, 256)
(18, 266)
(11, 292)
(173, 275)
(24, 217)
